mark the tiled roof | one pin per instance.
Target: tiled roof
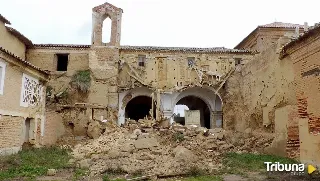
(184, 49)
(23, 61)
(60, 46)
(312, 30)
(271, 25)
(20, 36)
(3, 19)
(280, 25)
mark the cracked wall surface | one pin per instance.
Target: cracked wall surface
(169, 71)
(257, 90)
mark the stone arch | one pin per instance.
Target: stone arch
(99, 15)
(125, 97)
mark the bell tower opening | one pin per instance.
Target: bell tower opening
(103, 16)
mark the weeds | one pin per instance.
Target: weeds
(81, 81)
(178, 137)
(239, 163)
(33, 162)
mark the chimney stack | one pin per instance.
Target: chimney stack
(306, 27)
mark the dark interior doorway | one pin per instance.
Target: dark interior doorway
(139, 107)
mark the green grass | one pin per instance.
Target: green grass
(33, 162)
(78, 173)
(240, 163)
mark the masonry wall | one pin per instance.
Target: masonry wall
(11, 134)
(305, 58)
(104, 67)
(46, 59)
(11, 43)
(257, 90)
(168, 70)
(13, 115)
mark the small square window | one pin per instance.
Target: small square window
(141, 60)
(2, 76)
(62, 62)
(191, 61)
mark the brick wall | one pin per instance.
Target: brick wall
(305, 58)
(11, 131)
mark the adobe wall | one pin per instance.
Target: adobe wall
(256, 91)
(167, 70)
(53, 129)
(11, 43)
(59, 82)
(104, 68)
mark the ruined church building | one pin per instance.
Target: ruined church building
(51, 90)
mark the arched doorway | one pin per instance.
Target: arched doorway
(139, 107)
(196, 103)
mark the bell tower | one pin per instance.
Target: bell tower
(101, 13)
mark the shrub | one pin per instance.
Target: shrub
(81, 80)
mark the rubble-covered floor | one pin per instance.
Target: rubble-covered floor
(150, 149)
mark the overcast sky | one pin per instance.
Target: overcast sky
(188, 23)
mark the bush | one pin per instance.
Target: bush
(81, 80)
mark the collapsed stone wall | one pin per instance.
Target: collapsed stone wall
(255, 91)
(86, 120)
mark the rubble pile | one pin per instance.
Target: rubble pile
(145, 147)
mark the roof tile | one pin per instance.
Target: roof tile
(23, 61)
(280, 25)
(3, 19)
(184, 49)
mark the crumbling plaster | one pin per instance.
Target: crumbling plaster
(257, 89)
(169, 71)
